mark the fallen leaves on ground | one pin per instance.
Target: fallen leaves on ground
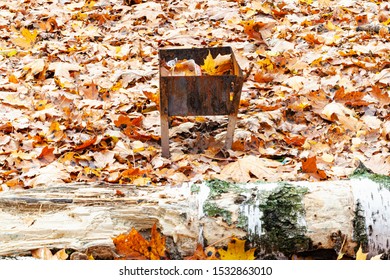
(45, 254)
(79, 88)
(249, 168)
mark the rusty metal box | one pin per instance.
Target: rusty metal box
(204, 95)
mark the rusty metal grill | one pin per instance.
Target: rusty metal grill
(199, 95)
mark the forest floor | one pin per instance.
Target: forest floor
(79, 87)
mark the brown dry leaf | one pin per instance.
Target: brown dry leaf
(134, 246)
(258, 30)
(295, 140)
(45, 254)
(89, 91)
(236, 251)
(262, 77)
(249, 168)
(199, 254)
(50, 25)
(353, 98)
(185, 68)
(312, 39)
(382, 96)
(35, 67)
(104, 158)
(337, 112)
(64, 69)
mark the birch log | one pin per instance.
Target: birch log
(278, 218)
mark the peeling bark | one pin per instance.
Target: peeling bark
(278, 218)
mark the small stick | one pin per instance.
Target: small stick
(248, 72)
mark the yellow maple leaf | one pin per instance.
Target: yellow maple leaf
(387, 22)
(236, 251)
(360, 256)
(307, 2)
(27, 40)
(218, 66)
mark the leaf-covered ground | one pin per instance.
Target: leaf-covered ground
(79, 91)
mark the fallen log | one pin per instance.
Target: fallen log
(280, 219)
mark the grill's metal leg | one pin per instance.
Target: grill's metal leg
(165, 135)
(230, 131)
(164, 119)
(234, 104)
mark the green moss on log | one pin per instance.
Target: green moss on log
(212, 210)
(363, 172)
(218, 187)
(282, 219)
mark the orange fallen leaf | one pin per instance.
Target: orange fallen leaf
(310, 166)
(261, 77)
(46, 155)
(134, 246)
(49, 25)
(132, 173)
(86, 144)
(124, 122)
(312, 39)
(238, 145)
(131, 127)
(295, 140)
(361, 19)
(15, 183)
(12, 79)
(209, 253)
(154, 97)
(352, 98)
(199, 254)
